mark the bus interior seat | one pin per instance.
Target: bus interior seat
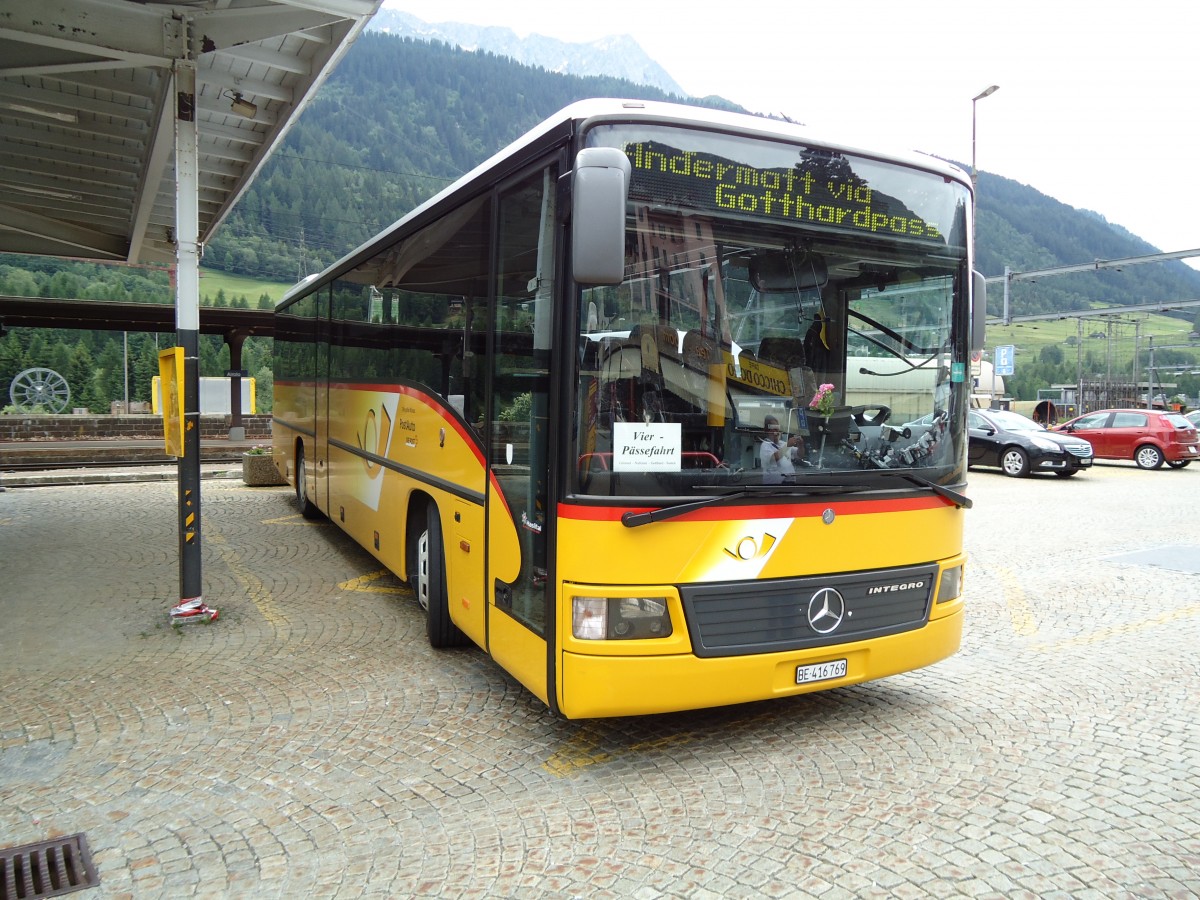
(700, 351)
(785, 352)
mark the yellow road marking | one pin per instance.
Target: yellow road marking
(579, 753)
(251, 584)
(1105, 634)
(364, 584)
(583, 748)
(1020, 613)
(290, 520)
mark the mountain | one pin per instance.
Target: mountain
(399, 119)
(402, 117)
(618, 56)
(1020, 227)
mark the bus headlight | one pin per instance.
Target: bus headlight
(950, 587)
(619, 618)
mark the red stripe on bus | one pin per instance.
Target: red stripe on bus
(469, 439)
(498, 493)
(759, 510)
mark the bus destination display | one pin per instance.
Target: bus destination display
(821, 189)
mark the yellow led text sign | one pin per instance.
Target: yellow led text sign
(819, 190)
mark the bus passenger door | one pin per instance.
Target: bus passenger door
(520, 569)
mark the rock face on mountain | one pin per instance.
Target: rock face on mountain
(618, 56)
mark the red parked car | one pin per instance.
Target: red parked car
(1149, 437)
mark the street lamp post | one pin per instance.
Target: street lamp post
(986, 92)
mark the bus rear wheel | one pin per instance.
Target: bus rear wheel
(432, 592)
(308, 509)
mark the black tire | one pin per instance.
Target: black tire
(1066, 473)
(1148, 456)
(1178, 463)
(1014, 462)
(432, 591)
(308, 509)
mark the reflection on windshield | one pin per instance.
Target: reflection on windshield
(730, 356)
(1014, 422)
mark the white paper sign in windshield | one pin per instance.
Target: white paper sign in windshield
(639, 447)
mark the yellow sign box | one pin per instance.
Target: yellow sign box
(756, 374)
(170, 370)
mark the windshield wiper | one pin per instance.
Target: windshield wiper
(955, 497)
(633, 520)
(863, 482)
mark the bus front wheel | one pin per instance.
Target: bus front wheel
(432, 592)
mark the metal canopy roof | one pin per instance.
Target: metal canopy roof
(87, 112)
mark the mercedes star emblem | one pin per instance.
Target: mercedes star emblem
(825, 610)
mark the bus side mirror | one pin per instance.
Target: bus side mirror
(978, 310)
(598, 197)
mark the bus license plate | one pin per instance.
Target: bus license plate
(821, 671)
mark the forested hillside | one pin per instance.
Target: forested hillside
(94, 362)
(398, 120)
(1025, 230)
(401, 118)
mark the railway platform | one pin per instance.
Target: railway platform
(31, 463)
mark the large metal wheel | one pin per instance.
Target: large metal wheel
(1015, 462)
(1148, 456)
(308, 509)
(432, 591)
(42, 388)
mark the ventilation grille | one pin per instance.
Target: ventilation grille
(770, 616)
(46, 869)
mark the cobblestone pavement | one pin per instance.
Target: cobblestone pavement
(310, 743)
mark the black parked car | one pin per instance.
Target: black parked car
(1019, 445)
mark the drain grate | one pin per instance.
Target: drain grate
(47, 869)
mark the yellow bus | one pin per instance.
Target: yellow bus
(572, 399)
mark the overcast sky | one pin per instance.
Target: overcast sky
(1098, 103)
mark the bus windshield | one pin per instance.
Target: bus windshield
(786, 314)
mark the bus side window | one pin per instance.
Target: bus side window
(437, 289)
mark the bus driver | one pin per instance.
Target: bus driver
(778, 456)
